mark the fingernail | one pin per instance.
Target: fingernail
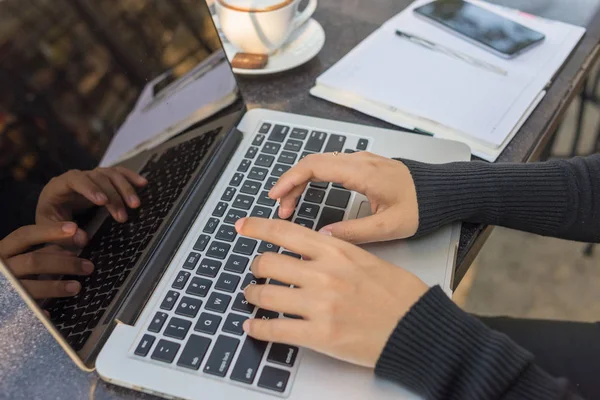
(326, 230)
(143, 180)
(80, 239)
(239, 224)
(133, 201)
(121, 215)
(69, 227)
(279, 200)
(246, 326)
(87, 267)
(101, 197)
(72, 287)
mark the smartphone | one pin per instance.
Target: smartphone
(481, 27)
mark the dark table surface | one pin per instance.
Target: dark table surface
(33, 366)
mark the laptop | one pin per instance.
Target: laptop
(162, 312)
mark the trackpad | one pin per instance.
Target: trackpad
(364, 210)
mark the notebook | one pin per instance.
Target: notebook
(400, 82)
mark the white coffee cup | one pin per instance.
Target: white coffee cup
(261, 26)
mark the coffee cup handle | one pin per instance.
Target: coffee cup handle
(305, 15)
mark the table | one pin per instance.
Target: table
(33, 366)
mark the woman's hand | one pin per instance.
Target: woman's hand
(52, 260)
(76, 191)
(387, 184)
(350, 300)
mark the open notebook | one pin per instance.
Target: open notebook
(405, 84)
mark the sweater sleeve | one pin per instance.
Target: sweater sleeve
(554, 198)
(440, 352)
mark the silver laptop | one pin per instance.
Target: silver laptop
(163, 311)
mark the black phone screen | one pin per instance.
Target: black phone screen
(490, 29)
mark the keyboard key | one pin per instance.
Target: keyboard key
(181, 280)
(335, 143)
(362, 144)
(329, 216)
(226, 233)
(274, 379)
(209, 267)
(169, 301)
(244, 165)
(289, 253)
(191, 261)
(227, 282)
(315, 141)
(270, 182)
(218, 302)
(233, 324)
(194, 351)
(314, 196)
(220, 209)
(218, 250)
(293, 145)
(241, 304)
(308, 210)
(338, 198)
(228, 194)
(320, 185)
(221, 356)
(258, 174)
(188, 307)
(258, 139)
(248, 361)
(245, 246)
(266, 314)
(236, 264)
(349, 151)
(279, 133)
(287, 158)
(304, 222)
(298, 133)
(201, 243)
(264, 128)
(271, 148)
(283, 354)
(94, 321)
(250, 187)
(236, 180)
(265, 200)
(267, 247)
(211, 225)
(252, 280)
(264, 160)
(177, 328)
(165, 351)
(280, 169)
(251, 153)
(208, 323)
(260, 212)
(304, 154)
(242, 201)
(157, 322)
(199, 287)
(144, 346)
(233, 215)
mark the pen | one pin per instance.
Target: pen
(453, 53)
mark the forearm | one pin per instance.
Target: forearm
(554, 198)
(441, 352)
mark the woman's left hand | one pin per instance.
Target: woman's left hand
(350, 300)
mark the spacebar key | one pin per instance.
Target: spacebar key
(249, 361)
(329, 216)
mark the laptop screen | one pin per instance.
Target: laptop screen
(88, 83)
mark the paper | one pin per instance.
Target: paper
(435, 92)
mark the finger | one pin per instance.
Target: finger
(115, 205)
(39, 289)
(279, 298)
(282, 268)
(40, 263)
(123, 186)
(374, 228)
(287, 203)
(292, 236)
(134, 178)
(56, 249)
(25, 237)
(291, 331)
(79, 240)
(81, 183)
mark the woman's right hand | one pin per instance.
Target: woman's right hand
(387, 184)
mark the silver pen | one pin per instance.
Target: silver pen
(452, 53)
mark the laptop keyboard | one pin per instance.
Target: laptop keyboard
(198, 324)
(116, 247)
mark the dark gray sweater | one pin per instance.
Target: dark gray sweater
(555, 198)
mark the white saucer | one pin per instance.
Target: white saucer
(302, 46)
